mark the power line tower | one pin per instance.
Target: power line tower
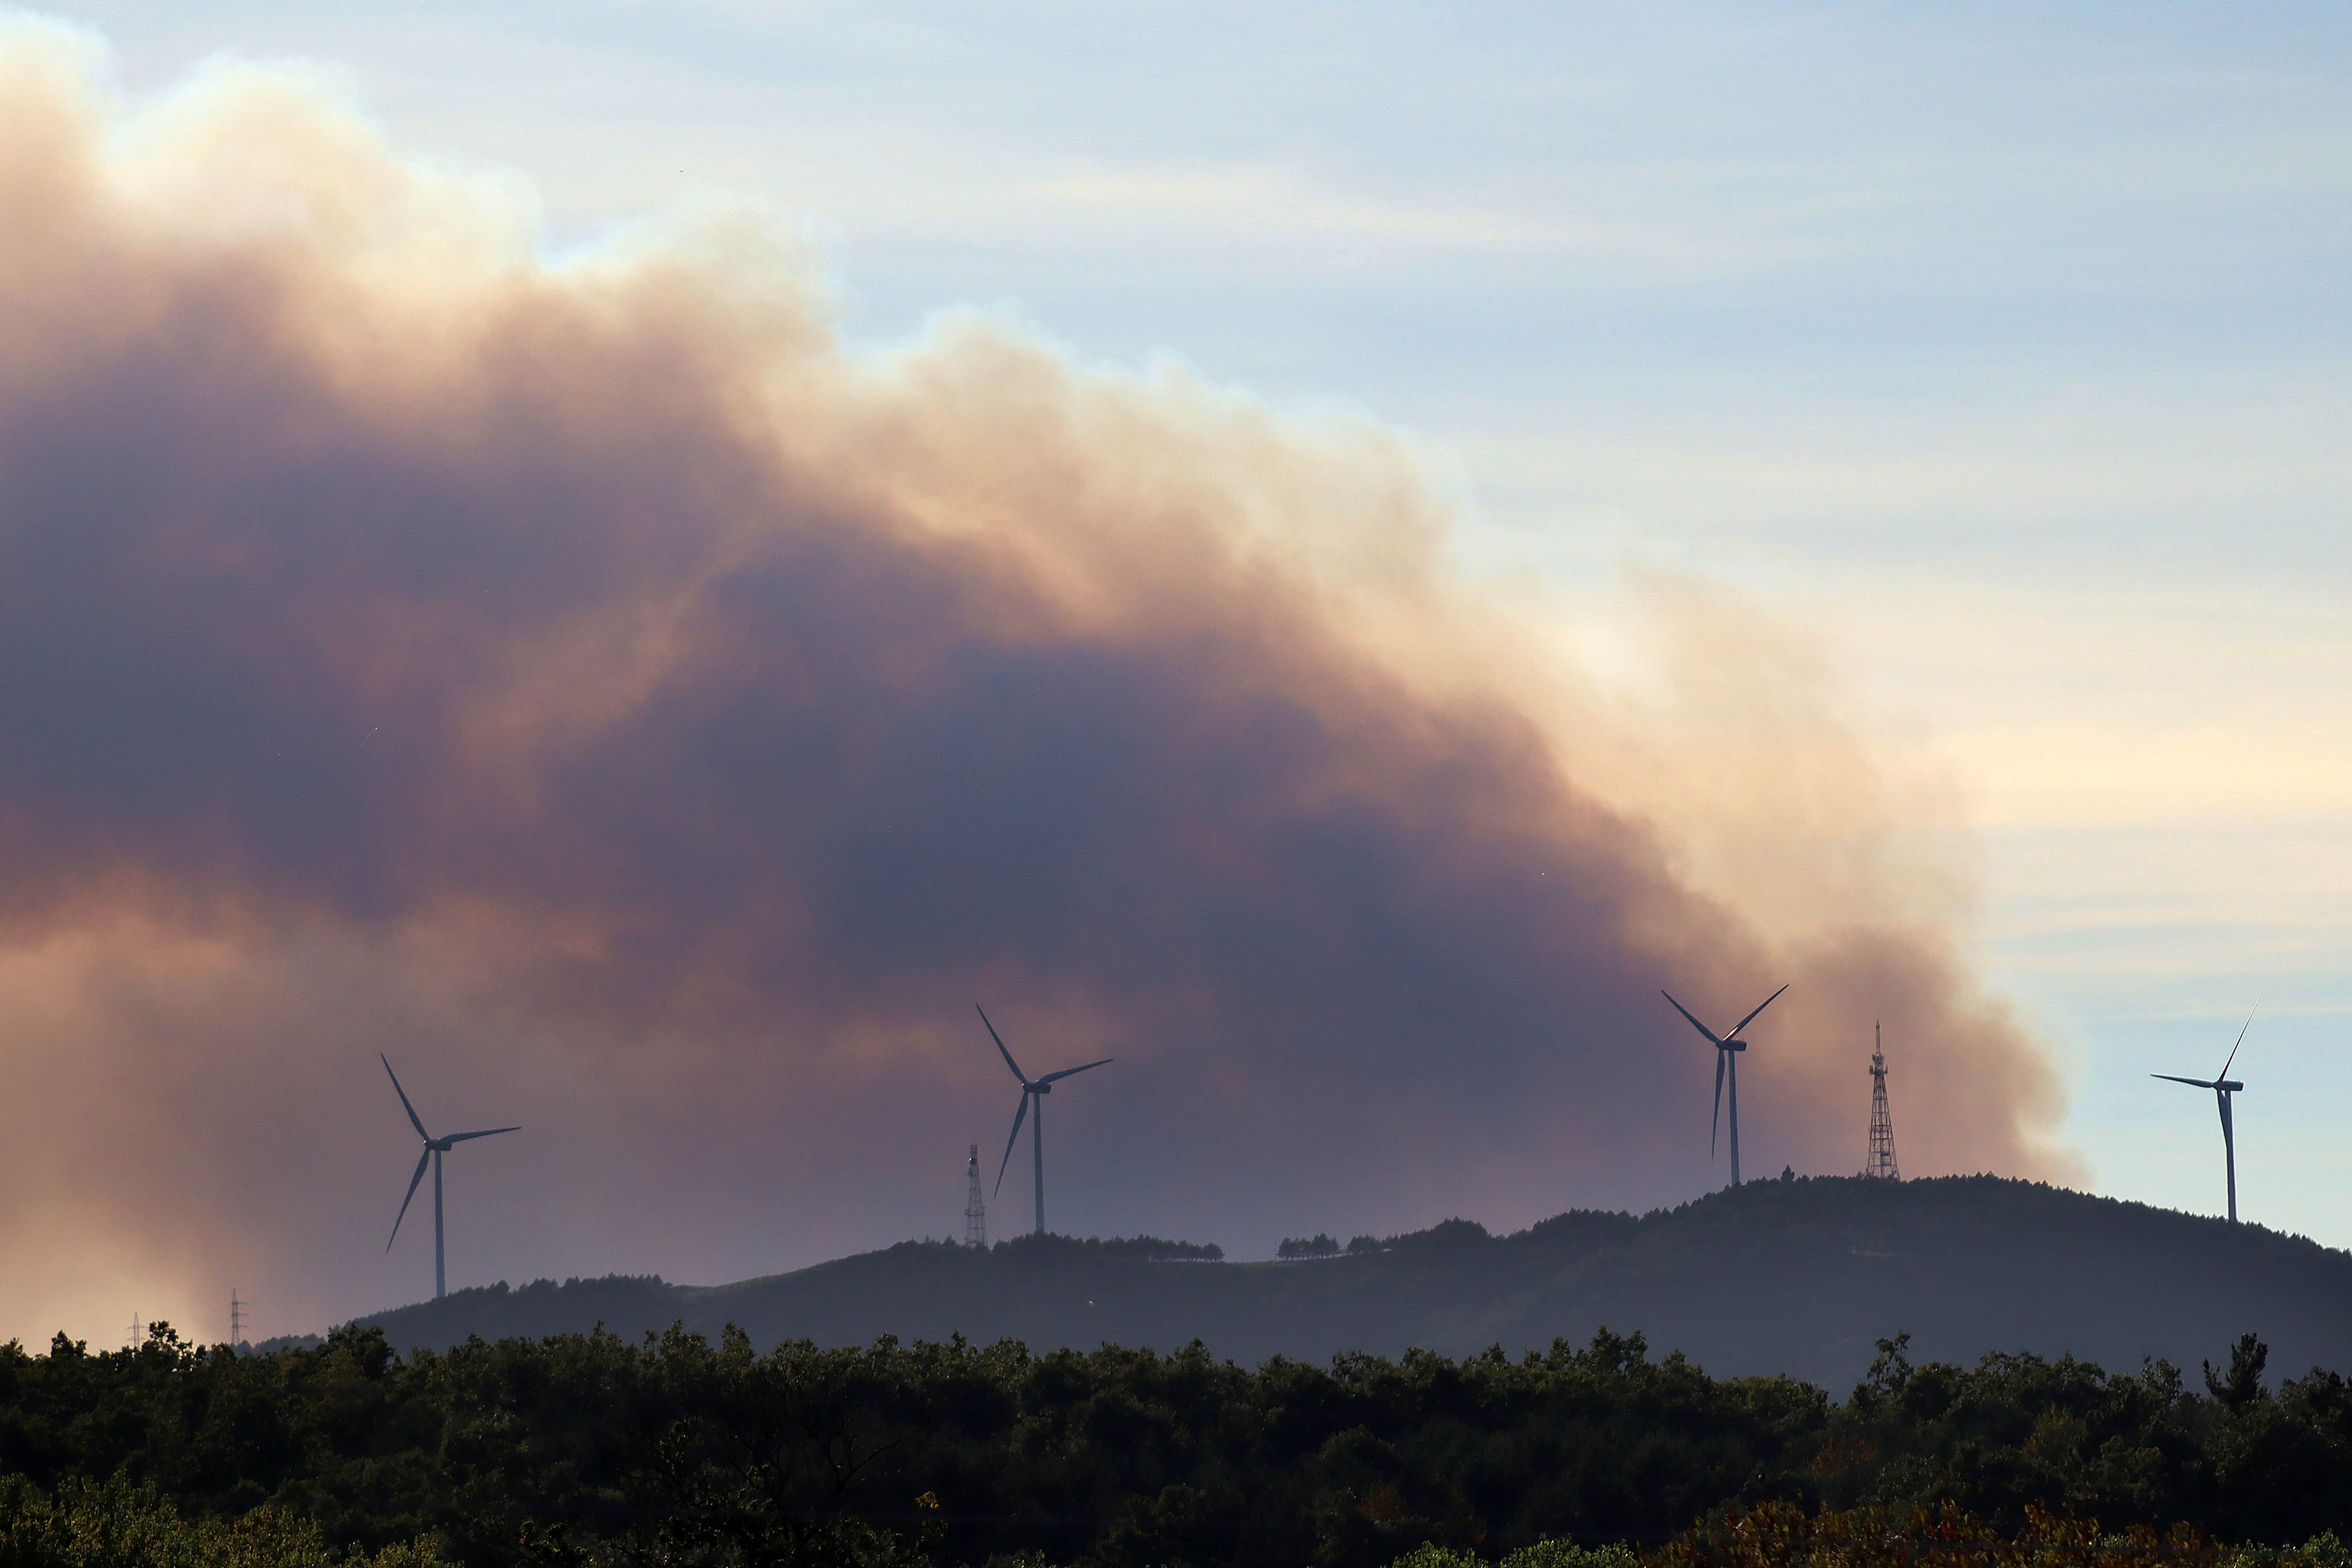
(138, 1332)
(975, 1204)
(1881, 1121)
(235, 1317)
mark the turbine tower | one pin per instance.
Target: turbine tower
(975, 1205)
(1881, 1121)
(1727, 1046)
(1031, 1090)
(2223, 1086)
(434, 1149)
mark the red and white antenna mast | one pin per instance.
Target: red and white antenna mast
(1881, 1121)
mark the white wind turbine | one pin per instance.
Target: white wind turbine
(2223, 1086)
(1727, 1046)
(434, 1149)
(1032, 1090)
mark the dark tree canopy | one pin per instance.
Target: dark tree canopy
(1131, 1458)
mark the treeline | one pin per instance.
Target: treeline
(1444, 1235)
(582, 1449)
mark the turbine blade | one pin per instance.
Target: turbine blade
(1695, 1024)
(1000, 1046)
(2191, 1082)
(1716, 1120)
(1751, 1017)
(403, 1100)
(1065, 1072)
(2229, 1133)
(1017, 1118)
(402, 1214)
(491, 1133)
(2235, 1044)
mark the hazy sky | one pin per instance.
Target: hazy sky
(2002, 351)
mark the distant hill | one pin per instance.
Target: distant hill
(1798, 1277)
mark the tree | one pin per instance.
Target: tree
(2243, 1385)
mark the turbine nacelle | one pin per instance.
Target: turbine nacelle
(2225, 1085)
(443, 1145)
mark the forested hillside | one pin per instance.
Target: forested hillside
(1799, 1277)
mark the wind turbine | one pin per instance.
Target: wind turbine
(1035, 1089)
(434, 1149)
(2223, 1086)
(1727, 1065)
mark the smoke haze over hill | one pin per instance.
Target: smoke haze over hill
(649, 724)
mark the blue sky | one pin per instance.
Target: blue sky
(2004, 347)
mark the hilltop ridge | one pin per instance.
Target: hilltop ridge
(1798, 1277)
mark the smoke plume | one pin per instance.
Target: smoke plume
(646, 723)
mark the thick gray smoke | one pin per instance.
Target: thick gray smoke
(649, 724)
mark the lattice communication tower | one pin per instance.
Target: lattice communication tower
(235, 1317)
(975, 1204)
(1881, 1121)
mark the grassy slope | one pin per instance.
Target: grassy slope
(1798, 1277)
